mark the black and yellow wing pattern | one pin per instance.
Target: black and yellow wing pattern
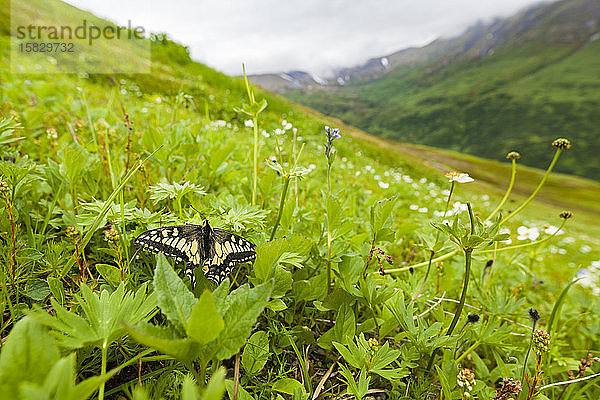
(217, 250)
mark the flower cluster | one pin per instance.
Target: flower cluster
(541, 342)
(111, 235)
(513, 155)
(562, 143)
(373, 346)
(332, 134)
(72, 231)
(509, 389)
(51, 133)
(466, 380)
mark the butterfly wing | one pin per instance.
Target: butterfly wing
(226, 250)
(186, 243)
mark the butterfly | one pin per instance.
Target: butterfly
(216, 249)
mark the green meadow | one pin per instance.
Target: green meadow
(378, 273)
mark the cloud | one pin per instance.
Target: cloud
(312, 35)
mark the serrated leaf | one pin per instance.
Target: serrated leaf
(242, 308)
(385, 235)
(205, 322)
(256, 353)
(174, 298)
(216, 386)
(380, 213)
(285, 250)
(189, 390)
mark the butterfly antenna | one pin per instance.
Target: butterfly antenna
(215, 216)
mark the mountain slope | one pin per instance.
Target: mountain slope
(512, 84)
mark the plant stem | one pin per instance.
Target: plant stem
(286, 183)
(329, 178)
(255, 177)
(422, 264)
(537, 189)
(328, 257)
(103, 369)
(510, 186)
(463, 296)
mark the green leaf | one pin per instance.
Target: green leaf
(276, 305)
(165, 340)
(555, 315)
(385, 235)
(350, 357)
(109, 272)
(220, 295)
(284, 250)
(283, 282)
(345, 325)
(189, 390)
(256, 353)
(27, 356)
(37, 289)
(57, 289)
(104, 314)
(380, 213)
(446, 389)
(242, 394)
(392, 375)
(60, 383)
(287, 386)
(205, 322)
(174, 298)
(242, 308)
(216, 386)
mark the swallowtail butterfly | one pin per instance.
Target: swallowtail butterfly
(216, 249)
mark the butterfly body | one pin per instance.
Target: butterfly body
(217, 250)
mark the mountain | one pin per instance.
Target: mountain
(510, 84)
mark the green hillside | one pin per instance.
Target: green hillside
(373, 274)
(538, 81)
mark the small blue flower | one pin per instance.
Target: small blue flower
(332, 133)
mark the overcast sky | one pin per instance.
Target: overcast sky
(310, 35)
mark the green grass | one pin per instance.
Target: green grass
(74, 288)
